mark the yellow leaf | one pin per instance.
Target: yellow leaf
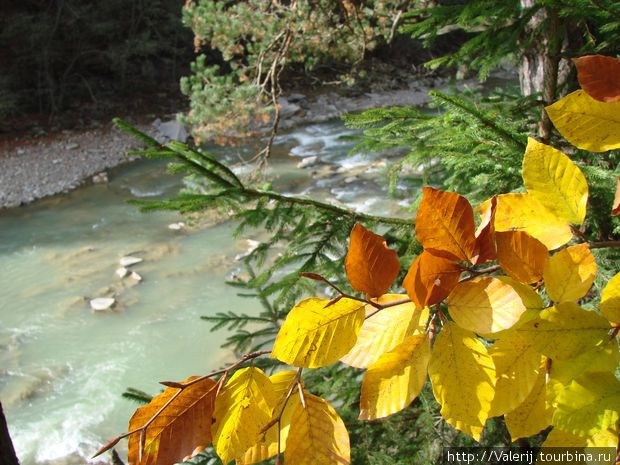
(569, 274)
(555, 181)
(530, 298)
(615, 208)
(445, 224)
(587, 123)
(431, 278)
(589, 404)
(517, 367)
(565, 330)
(385, 330)
(371, 266)
(314, 335)
(317, 435)
(268, 444)
(522, 212)
(533, 414)
(562, 440)
(610, 300)
(602, 358)
(463, 378)
(396, 379)
(485, 305)
(520, 255)
(242, 409)
(181, 427)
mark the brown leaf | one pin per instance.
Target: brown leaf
(599, 76)
(445, 224)
(485, 250)
(370, 265)
(521, 256)
(431, 278)
(615, 210)
(179, 429)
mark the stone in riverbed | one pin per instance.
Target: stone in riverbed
(102, 303)
(128, 260)
(121, 272)
(308, 162)
(135, 276)
(176, 226)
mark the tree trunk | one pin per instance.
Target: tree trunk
(7, 452)
(540, 65)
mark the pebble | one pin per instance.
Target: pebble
(129, 260)
(102, 303)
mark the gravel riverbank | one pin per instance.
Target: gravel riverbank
(35, 167)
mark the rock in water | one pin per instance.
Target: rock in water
(121, 272)
(176, 226)
(135, 276)
(102, 303)
(129, 260)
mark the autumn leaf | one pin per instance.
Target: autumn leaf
(602, 358)
(485, 250)
(533, 414)
(396, 379)
(181, 427)
(385, 330)
(445, 224)
(521, 256)
(555, 181)
(565, 330)
(370, 265)
(591, 403)
(522, 212)
(431, 278)
(268, 443)
(517, 365)
(615, 209)
(587, 123)
(317, 435)
(569, 274)
(604, 438)
(242, 409)
(463, 378)
(610, 300)
(599, 76)
(316, 334)
(485, 305)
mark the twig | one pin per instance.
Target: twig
(604, 244)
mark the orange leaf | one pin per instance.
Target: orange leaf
(431, 278)
(179, 429)
(599, 76)
(370, 265)
(445, 224)
(485, 250)
(521, 256)
(616, 208)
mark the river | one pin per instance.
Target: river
(63, 366)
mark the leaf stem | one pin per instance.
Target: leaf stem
(604, 244)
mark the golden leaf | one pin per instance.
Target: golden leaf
(445, 224)
(522, 212)
(431, 278)
(463, 378)
(317, 435)
(587, 123)
(485, 305)
(385, 330)
(521, 256)
(371, 266)
(396, 379)
(610, 300)
(615, 209)
(555, 181)
(242, 409)
(569, 274)
(180, 428)
(316, 334)
(485, 250)
(517, 365)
